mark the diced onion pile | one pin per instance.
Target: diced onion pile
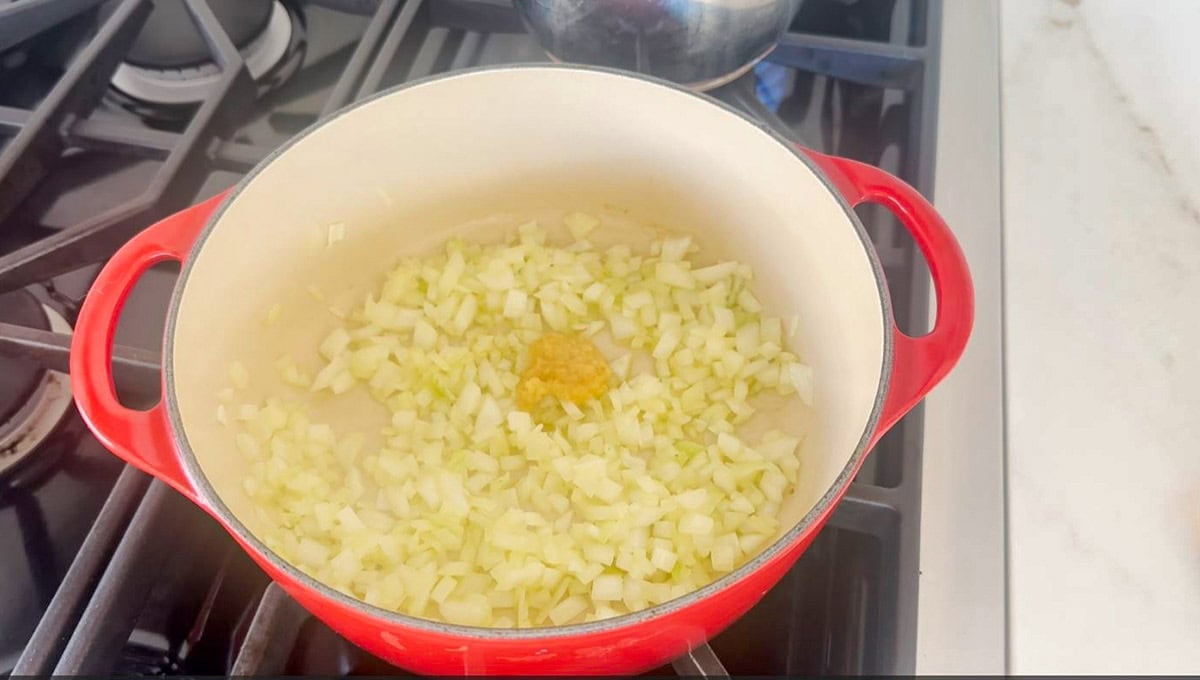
(477, 513)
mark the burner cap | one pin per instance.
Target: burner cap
(169, 38)
(20, 378)
(272, 51)
(34, 400)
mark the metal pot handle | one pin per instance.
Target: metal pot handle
(919, 363)
(141, 438)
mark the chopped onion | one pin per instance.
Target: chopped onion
(335, 233)
(238, 376)
(471, 511)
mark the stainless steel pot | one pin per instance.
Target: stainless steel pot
(697, 43)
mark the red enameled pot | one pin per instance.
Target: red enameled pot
(505, 144)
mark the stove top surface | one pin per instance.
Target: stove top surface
(104, 571)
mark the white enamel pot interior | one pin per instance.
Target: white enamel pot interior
(407, 168)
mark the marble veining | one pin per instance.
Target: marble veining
(1102, 277)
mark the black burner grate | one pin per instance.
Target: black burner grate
(848, 606)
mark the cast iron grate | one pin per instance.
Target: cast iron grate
(849, 605)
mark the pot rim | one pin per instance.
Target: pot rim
(207, 495)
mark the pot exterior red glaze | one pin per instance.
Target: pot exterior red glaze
(811, 252)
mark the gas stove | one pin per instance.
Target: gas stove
(114, 114)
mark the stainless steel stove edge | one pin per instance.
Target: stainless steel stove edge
(961, 625)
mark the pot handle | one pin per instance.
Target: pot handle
(919, 363)
(140, 438)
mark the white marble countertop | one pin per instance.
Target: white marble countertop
(1101, 186)
(1061, 500)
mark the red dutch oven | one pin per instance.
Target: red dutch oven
(399, 171)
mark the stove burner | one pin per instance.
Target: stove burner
(77, 551)
(33, 398)
(167, 39)
(19, 379)
(157, 82)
